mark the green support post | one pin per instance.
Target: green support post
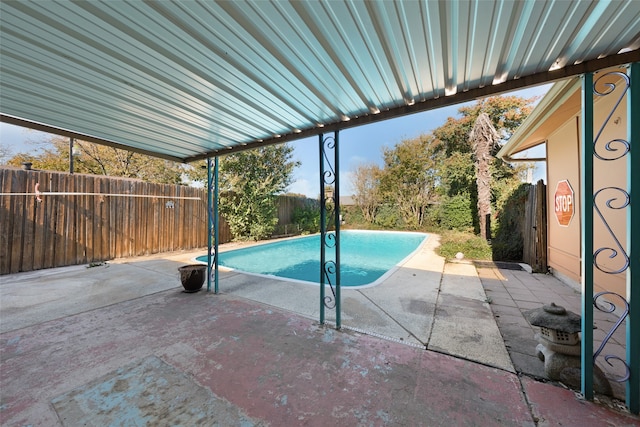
(323, 227)
(212, 225)
(209, 224)
(336, 195)
(330, 176)
(633, 235)
(586, 213)
(216, 217)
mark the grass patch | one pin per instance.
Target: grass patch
(472, 246)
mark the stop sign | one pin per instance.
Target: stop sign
(564, 202)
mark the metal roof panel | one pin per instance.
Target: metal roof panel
(185, 80)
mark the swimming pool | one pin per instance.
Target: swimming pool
(366, 256)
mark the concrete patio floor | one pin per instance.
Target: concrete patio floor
(121, 344)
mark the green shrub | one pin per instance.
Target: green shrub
(508, 241)
(353, 218)
(249, 219)
(307, 218)
(431, 218)
(389, 217)
(456, 214)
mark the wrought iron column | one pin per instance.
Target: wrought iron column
(613, 255)
(633, 235)
(329, 212)
(586, 213)
(213, 221)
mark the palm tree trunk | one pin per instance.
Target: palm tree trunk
(483, 137)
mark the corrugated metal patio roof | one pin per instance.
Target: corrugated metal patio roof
(188, 80)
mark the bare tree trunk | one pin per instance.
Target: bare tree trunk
(483, 137)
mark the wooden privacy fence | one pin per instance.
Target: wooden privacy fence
(95, 224)
(287, 204)
(534, 250)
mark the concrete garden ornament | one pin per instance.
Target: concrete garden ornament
(560, 348)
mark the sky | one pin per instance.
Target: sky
(364, 144)
(359, 145)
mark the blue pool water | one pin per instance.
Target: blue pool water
(365, 256)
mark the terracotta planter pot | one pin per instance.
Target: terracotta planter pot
(192, 276)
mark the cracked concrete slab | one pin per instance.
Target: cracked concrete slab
(464, 324)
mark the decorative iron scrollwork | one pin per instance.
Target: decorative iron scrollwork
(620, 200)
(610, 308)
(330, 269)
(618, 147)
(614, 149)
(329, 175)
(330, 240)
(612, 198)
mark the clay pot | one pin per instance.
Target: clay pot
(192, 276)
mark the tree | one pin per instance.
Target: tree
(366, 183)
(409, 177)
(101, 160)
(458, 171)
(5, 153)
(50, 157)
(483, 137)
(506, 114)
(249, 182)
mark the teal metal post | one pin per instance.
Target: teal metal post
(329, 175)
(212, 228)
(586, 213)
(209, 224)
(633, 235)
(216, 229)
(336, 195)
(323, 226)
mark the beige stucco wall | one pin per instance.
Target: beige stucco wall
(563, 154)
(564, 164)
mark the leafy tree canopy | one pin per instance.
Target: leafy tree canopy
(506, 113)
(433, 177)
(100, 160)
(366, 184)
(409, 178)
(249, 182)
(458, 174)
